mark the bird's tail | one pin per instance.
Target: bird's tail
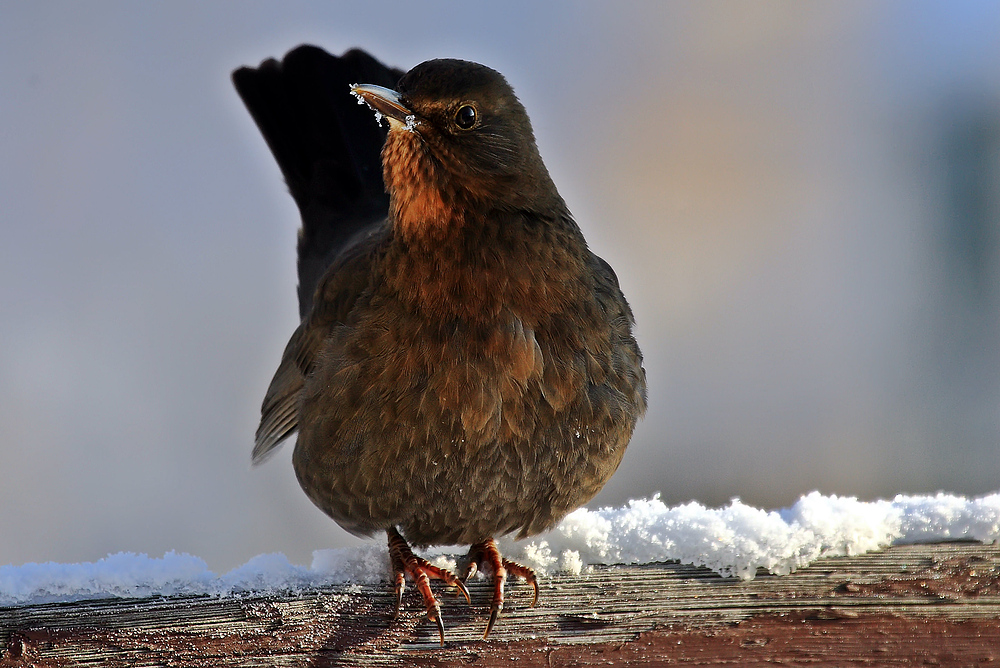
(327, 146)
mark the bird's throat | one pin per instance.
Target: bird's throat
(422, 198)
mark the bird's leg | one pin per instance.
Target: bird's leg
(404, 562)
(486, 552)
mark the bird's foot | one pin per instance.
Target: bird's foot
(486, 553)
(404, 562)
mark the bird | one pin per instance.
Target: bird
(465, 366)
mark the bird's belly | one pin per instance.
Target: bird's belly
(456, 445)
(441, 487)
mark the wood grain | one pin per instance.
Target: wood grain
(909, 605)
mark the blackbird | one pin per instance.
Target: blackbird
(465, 366)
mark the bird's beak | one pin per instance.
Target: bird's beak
(385, 102)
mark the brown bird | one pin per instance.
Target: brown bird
(465, 366)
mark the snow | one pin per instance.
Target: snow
(738, 539)
(362, 100)
(734, 540)
(409, 123)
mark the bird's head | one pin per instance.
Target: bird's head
(459, 141)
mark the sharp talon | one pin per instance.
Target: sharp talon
(465, 591)
(534, 601)
(494, 613)
(400, 586)
(440, 625)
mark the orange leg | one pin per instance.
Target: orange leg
(404, 562)
(486, 552)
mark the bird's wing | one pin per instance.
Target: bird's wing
(345, 282)
(279, 414)
(327, 145)
(626, 361)
(329, 150)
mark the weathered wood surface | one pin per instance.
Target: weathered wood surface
(909, 605)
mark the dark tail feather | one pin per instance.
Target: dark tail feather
(327, 146)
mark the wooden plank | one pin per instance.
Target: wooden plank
(937, 603)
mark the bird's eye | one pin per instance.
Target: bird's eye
(466, 116)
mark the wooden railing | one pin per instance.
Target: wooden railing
(909, 605)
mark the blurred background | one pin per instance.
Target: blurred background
(801, 200)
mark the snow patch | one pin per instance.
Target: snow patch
(735, 540)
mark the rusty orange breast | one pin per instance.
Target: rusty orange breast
(422, 199)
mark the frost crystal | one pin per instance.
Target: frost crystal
(361, 100)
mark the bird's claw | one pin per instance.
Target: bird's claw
(440, 625)
(404, 562)
(434, 614)
(495, 610)
(487, 553)
(526, 573)
(400, 586)
(465, 590)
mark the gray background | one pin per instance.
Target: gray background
(800, 199)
